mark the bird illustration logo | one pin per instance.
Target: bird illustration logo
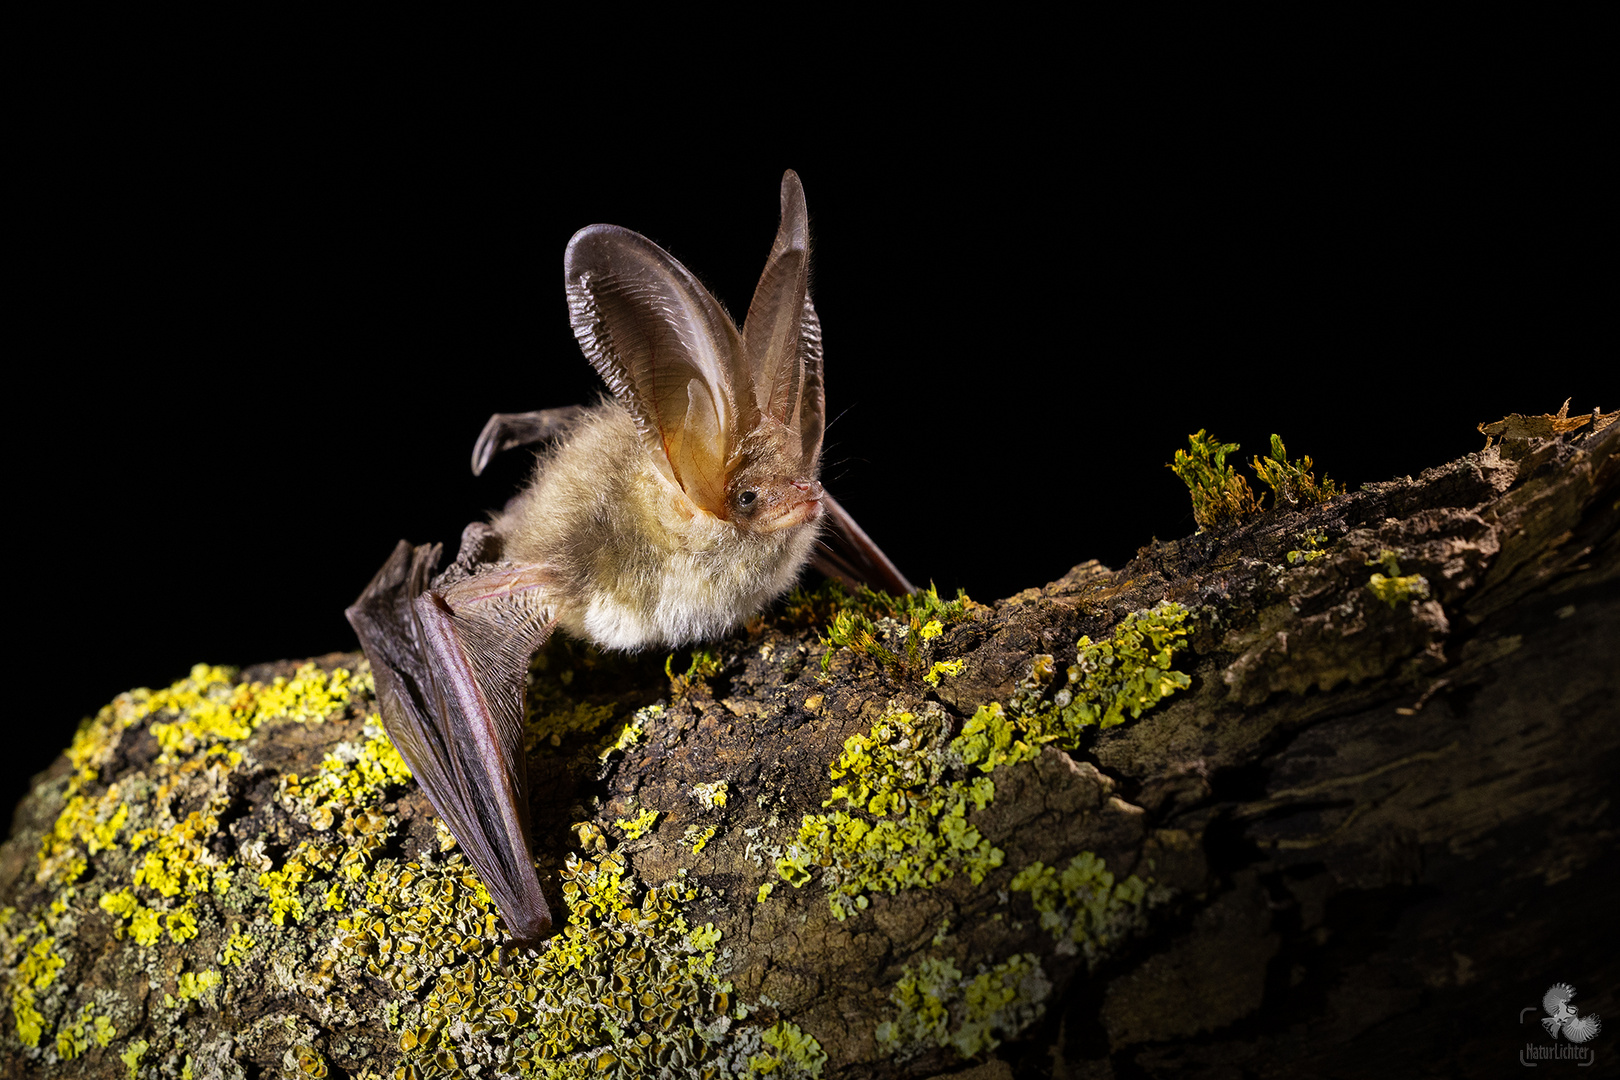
(1561, 1016)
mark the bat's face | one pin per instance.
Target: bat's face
(734, 419)
(769, 489)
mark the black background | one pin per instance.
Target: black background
(264, 312)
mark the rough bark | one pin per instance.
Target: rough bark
(1372, 828)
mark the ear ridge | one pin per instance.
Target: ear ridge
(651, 330)
(812, 418)
(772, 329)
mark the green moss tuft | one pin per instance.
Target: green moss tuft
(1220, 496)
(1292, 484)
(892, 631)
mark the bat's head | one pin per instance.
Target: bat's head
(732, 418)
(768, 488)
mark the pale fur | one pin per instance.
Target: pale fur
(636, 563)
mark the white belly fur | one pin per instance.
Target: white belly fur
(694, 604)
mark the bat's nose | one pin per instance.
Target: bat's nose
(810, 489)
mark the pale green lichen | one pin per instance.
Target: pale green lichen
(1393, 588)
(937, 1006)
(904, 823)
(920, 835)
(1082, 906)
(710, 796)
(792, 1052)
(1129, 673)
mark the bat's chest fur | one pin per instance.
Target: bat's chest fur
(635, 569)
(680, 600)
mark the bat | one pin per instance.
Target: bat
(683, 503)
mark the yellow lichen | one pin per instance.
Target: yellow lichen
(237, 947)
(163, 880)
(92, 824)
(905, 824)
(1393, 588)
(636, 827)
(632, 732)
(194, 984)
(181, 924)
(625, 981)
(131, 1057)
(74, 1038)
(944, 667)
(920, 835)
(153, 885)
(284, 887)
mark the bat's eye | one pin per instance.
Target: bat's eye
(746, 499)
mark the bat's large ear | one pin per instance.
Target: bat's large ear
(666, 349)
(782, 336)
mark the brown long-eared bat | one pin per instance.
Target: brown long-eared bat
(667, 514)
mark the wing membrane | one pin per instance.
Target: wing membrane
(450, 667)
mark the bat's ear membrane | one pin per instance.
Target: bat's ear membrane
(774, 329)
(666, 349)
